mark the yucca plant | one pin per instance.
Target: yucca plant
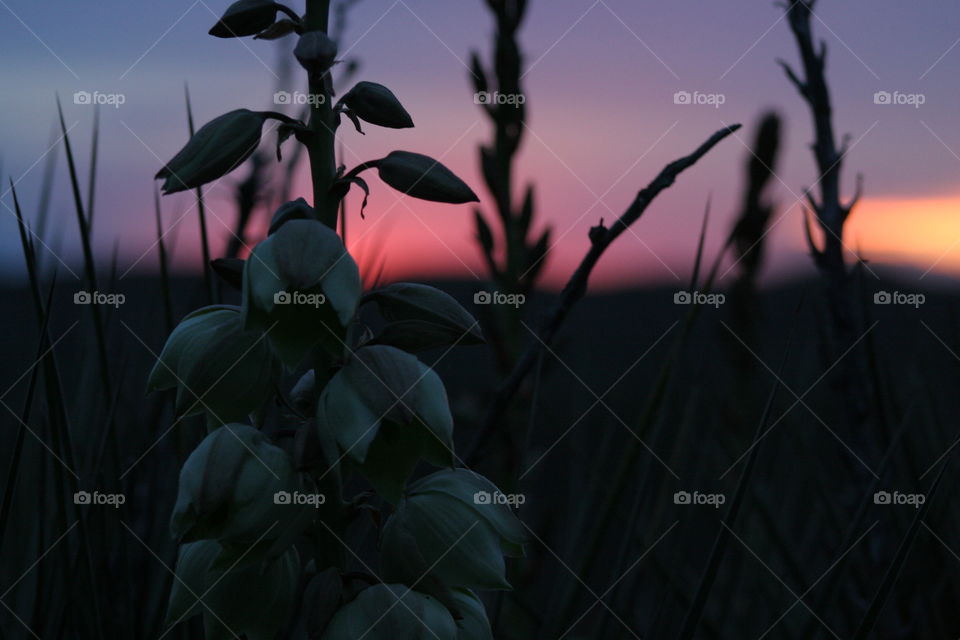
(270, 539)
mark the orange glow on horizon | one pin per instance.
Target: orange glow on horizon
(920, 232)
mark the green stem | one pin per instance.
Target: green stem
(320, 148)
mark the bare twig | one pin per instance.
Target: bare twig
(600, 239)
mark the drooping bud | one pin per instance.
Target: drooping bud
(422, 317)
(391, 611)
(472, 623)
(316, 52)
(387, 410)
(423, 177)
(216, 366)
(455, 526)
(216, 149)
(302, 287)
(253, 601)
(376, 104)
(245, 18)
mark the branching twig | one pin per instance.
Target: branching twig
(600, 239)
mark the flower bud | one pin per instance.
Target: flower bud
(228, 488)
(376, 104)
(216, 149)
(316, 52)
(294, 210)
(422, 317)
(387, 410)
(252, 601)
(447, 526)
(471, 617)
(302, 287)
(245, 18)
(423, 177)
(391, 611)
(216, 366)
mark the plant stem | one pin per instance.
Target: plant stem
(320, 148)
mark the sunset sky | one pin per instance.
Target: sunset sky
(600, 84)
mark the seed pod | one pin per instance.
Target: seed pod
(423, 177)
(452, 525)
(387, 410)
(228, 488)
(253, 601)
(216, 366)
(376, 104)
(216, 149)
(245, 18)
(302, 287)
(316, 52)
(389, 612)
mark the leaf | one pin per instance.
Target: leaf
(376, 104)
(245, 18)
(423, 177)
